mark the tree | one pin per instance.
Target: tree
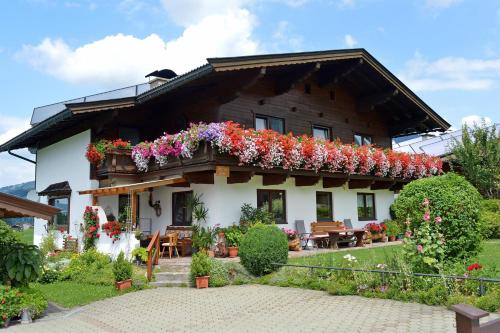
(478, 157)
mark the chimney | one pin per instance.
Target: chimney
(157, 78)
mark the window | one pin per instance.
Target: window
(129, 134)
(320, 132)
(366, 206)
(124, 208)
(324, 209)
(272, 123)
(181, 212)
(61, 220)
(273, 201)
(361, 139)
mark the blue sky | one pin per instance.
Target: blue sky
(447, 51)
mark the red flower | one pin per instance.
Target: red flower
(474, 266)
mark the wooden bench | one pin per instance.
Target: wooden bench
(338, 233)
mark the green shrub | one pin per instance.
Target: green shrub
(9, 306)
(233, 236)
(122, 268)
(33, 300)
(489, 302)
(90, 267)
(262, 246)
(140, 253)
(251, 215)
(48, 243)
(23, 264)
(8, 238)
(219, 274)
(200, 265)
(490, 218)
(452, 198)
(50, 276)
(392, 228)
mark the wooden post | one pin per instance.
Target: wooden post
(94, 200)
(133, 208)
(467, 318)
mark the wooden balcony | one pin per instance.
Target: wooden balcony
(206, 162)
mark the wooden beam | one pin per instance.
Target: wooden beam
(382, 184)
(360, 183)
(202, 177)
(410, 124)
(184, 184)
(133, 207)
(236, 92)
(369, 103)
(237, 177)
(326, 79)
(306, 180)
(397, 186)
(273, 179)
(288, 82)
(329, 182)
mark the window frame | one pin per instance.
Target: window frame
(50, 202)
(321, 127)
(363, 136)
(266, 118)
(330, 200)
(269, 208)
(185, 213)
(369, 218)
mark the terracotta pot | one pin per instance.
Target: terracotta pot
(6, 323)
(211, 253)
(392, 238)
(221, 234)
(202, 282)
(294, 244)
(122, 285)
(233, 251)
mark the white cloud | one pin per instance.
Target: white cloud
(475, 120)
(14, 170)
(441, 4)
(349, 41)
(212, 28)
(284, 39)
(450, 73)
(346, 3)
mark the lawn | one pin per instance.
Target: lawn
(26, 236)
(70, 294)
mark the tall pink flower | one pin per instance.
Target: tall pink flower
(425, 203)
(420, 248)
(427, 216)
(438, 220)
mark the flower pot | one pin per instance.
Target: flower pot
(221, 234)
(122, 285)
(202, 282)
(233, 251)
(6, 323)
(294, 244)
(26, 316)
(392, 238)
(211, 253)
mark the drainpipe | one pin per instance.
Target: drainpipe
(21, 157)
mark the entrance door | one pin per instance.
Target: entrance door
(181, 212)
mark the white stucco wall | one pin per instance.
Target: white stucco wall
(65, 161)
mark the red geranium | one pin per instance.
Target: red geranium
(474, 266)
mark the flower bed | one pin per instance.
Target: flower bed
(268, 149)
(95, 151)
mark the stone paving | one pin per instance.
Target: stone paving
(250, 308)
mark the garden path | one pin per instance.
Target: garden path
(249, 308)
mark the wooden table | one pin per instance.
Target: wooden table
(335, 236)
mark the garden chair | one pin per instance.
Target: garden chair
(172, 237)
(350, 235)
(305, 236)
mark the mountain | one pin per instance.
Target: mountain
(19, 190)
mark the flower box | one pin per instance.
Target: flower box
(122, 285)
(202, 282)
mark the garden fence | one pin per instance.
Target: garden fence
(385, 273)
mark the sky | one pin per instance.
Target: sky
(447, 51)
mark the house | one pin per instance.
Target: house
(344, 95)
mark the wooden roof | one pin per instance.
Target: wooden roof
(135, 187)
(12, 206)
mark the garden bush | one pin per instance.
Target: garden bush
(261, 246)
(200, 265)
(9, 304)
(33, 300)
(122, 268)
(90, 267)
(490, 218)
(219, 274)
(452, 198)
(23, 264)
(50, 276)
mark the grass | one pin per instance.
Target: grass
(26, 236)
(70, 294)
(490, 256)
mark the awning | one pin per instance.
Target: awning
(12, 206)
(136, 187)
(61, 188)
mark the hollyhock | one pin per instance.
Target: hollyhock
(438, 219)
(427, 216)
(420, 248)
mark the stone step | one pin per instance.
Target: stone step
(172, 276)
(174, 268)
(170, 284)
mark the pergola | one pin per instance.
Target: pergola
(131, 190)
(12, 206)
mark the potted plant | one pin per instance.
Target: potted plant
(233, 239)
(122, 270)
(392, 229)
(293, 240)
(376, 230)
(203, 239)
(200, 269)
(139, 235)
(9, 306)
(140, 254)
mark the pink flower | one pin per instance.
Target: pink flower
(438, 219)
(420, 248)
(425, 203)
(408, 233)
(427, 216)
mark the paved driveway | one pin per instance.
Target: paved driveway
(251, 308)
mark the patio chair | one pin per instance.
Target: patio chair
(305, 236)
(350, 235)
(171, 244)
